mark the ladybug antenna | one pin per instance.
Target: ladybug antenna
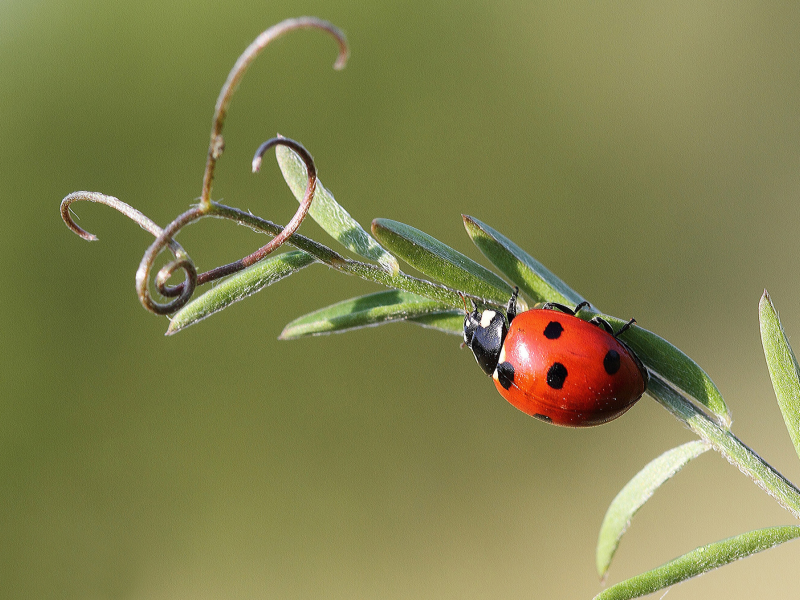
(464, 300)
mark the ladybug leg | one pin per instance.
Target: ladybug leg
(605, 325)
(625, 327)
(511, 308)
(565, 309)
(600, 322)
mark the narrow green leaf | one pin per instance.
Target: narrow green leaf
(699, 561)
(239, 286)
(635, 493)
(439, 261)
(364, 311)
(723, 441)
(330, 215)
(451, 321)
(532, 277)
(675, 367)
(783, 367)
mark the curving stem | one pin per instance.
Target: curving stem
(182, 292)
(217, 143)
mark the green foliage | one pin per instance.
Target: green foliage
(675, 380)
(672, 365)
(635, 493)
(239, 286)
(366, 311)
(783, 367)
(700, 560)
(440, 262)
(532, 277)
(330, 215)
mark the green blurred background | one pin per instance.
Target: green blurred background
(648, 153)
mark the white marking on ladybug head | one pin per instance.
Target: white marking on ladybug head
(502, 357)
(486, 318)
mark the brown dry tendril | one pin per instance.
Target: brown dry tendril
(182, 292)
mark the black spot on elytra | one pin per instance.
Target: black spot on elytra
(556, 375)
(611, 362)
(544, 418)
(505, 374)
(553, 330)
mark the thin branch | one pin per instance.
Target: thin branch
(727, 444)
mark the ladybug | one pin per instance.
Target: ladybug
(555, 366)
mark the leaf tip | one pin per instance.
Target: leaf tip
(765, 299)
(389, 264)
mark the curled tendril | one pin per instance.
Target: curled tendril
(182, 292)
(302, 210)
(126, 209)
(182, 259)
(185, 290)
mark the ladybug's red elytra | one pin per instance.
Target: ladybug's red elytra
(555, 366)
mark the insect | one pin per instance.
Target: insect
(554, 366)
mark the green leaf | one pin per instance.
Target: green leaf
(238, 286)
(638, 491)
(439, 261)
(451, 321)
(727, 444)
(783, 367)
(330, 215)
(676, 368)
(365, 311)
(532, 277)
(699, 561)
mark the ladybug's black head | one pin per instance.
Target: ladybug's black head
(484, 334)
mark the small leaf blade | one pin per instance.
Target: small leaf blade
(783, 368)
(699, 561)
(635, 493)
(330, 215)
(439, 261)
(532, 277)
(239, 286)
(451, 321)
(676, 368)
(364, 311)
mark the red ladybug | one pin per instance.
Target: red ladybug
(554, 366)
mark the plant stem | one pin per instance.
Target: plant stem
(367, 271)
(727, 444)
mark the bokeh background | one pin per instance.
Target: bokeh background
(648, 153)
